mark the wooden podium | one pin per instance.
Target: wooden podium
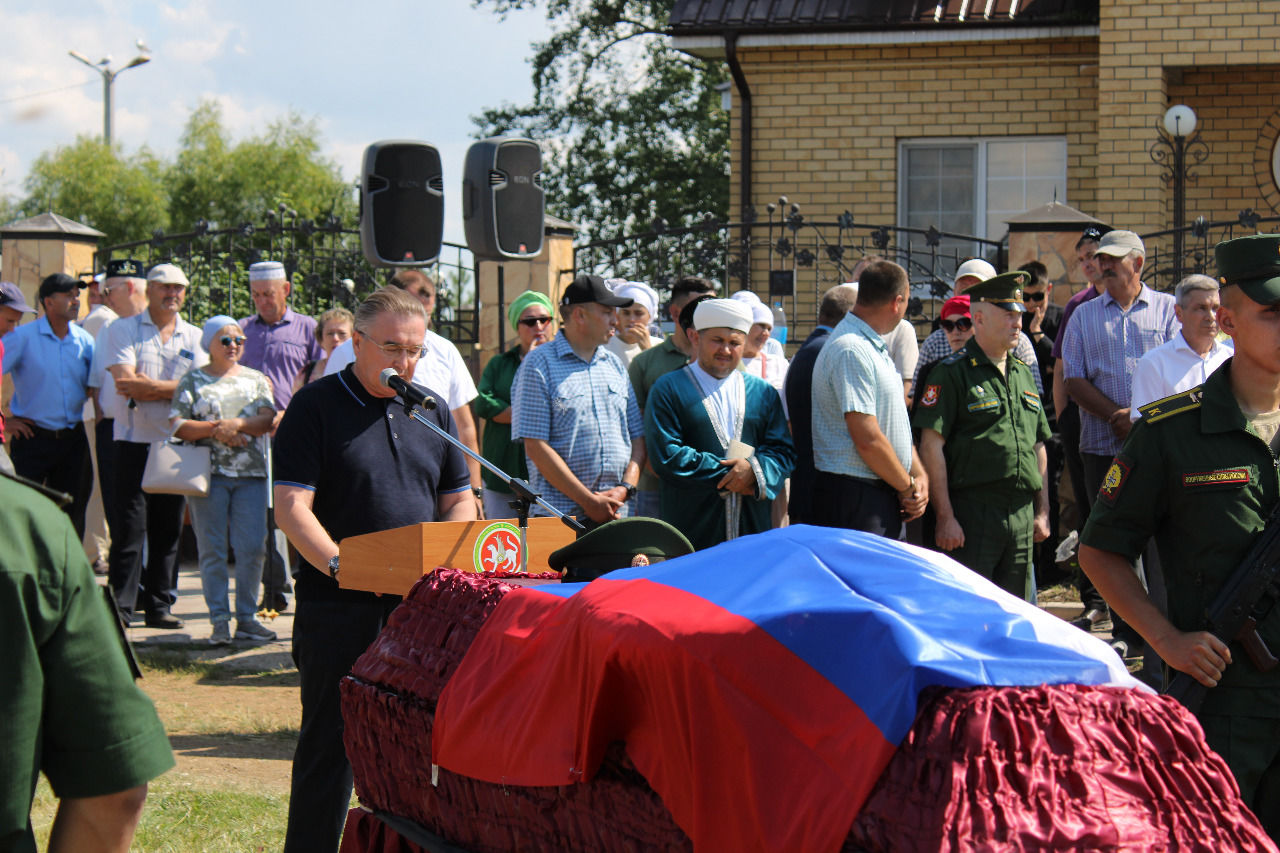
(391, 561)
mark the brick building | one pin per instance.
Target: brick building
(962, 113)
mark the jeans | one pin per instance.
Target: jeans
(235, 512)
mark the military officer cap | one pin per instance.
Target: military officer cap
(617, 545)
(125, 268)
(1003, 291)
(1253, 264)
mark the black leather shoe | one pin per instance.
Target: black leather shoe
(163, 620)
(1093, 619)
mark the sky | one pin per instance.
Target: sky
(365, 71)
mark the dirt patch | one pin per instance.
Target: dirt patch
(230, 727)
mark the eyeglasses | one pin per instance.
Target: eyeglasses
(1033, 297)
(534, 321)
(964, 324)
(393, 350)
(227, 340)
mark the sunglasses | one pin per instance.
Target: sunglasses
(1033, 297)
(964, 324)
(534, 321)
(227, 340)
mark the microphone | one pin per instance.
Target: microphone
(410, 393)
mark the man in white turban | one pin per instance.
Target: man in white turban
(717, 436)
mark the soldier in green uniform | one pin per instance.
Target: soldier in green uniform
(982, 437)
(69, 704)
(1199, 473)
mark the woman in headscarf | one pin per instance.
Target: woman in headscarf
(531, 315)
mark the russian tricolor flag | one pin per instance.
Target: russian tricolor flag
(760, 686)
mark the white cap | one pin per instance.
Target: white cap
(760, 313)
(167, 274)
(267, 271)
(722, 313)
(641, 293)
(977, 268)
(746, 296)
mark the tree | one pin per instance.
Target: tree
(632, 130)
(122, 196)
(227, 184)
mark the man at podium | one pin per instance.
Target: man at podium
(350, 461)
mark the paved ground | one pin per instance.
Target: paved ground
(191, 609)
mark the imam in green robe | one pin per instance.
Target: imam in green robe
(686, 437)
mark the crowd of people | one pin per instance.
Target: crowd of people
(956, 444)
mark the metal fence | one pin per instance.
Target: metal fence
(1165, 267)
(323, 259)
(787, 256)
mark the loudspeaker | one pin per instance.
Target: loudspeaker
(401, 204)
(502, 198)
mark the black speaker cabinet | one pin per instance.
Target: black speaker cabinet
(502, 198)
(401, 204)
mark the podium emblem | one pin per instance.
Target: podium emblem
(497, 548)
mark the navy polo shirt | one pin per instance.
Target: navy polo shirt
(371, 466)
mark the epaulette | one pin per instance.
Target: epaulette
(958, 355)
(1183, 401)
(1017, 360)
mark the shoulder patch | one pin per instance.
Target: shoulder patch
(1174, 404)
(1115, 479)
(930, 398)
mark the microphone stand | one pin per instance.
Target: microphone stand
(525, 496)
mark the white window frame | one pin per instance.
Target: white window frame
(980, 170)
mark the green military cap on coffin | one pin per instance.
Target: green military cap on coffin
(1003, 291)
(1253, 264)
(616, 545)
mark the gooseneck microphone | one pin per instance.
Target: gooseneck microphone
(410, 393)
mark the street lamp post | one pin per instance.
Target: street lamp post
(1178, 149)
(109, 76)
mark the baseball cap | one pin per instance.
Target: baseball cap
(1119, 243)
(11, 297)
(976, 267)
(167, 274)
(125, 268)
(59, 282)
(591, 288)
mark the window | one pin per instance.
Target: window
(971, 186)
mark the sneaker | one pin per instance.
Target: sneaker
(221, 635)
(254, 631)
(1121, 648)
(1094, 619)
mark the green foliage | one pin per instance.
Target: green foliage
(230, 184)
(123, 196)
(631, 129)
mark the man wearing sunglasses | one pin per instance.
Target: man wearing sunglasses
(982, 439)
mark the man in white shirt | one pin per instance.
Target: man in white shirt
(440, 369)
(1185, 360)
(97, 535)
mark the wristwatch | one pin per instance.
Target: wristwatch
(333, 567)
(631, 489)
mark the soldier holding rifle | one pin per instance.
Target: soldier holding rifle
(1200, 472)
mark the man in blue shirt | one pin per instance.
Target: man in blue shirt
(49, 361)
(576, 411)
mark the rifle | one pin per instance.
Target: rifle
(1243, 602)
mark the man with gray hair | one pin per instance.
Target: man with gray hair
(1186, 360)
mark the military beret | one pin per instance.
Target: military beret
(125, 268)
(1003, 291)
(1253, 264)
(616, 544)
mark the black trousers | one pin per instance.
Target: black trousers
(1095, 469)
(276, 583)
(856, 504)
(138, 515)
(60, 460)
(328, 636)
(105, 446)
(1073, 462)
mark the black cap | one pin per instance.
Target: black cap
(1094, 233)
(616, 544)
(125, 268)
(57, 283)
(591, 288)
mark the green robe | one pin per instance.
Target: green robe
(685, 449)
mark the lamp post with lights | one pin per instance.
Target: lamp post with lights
(103, 67)
(1178, 149)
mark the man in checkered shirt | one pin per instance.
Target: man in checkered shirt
(575, 410)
